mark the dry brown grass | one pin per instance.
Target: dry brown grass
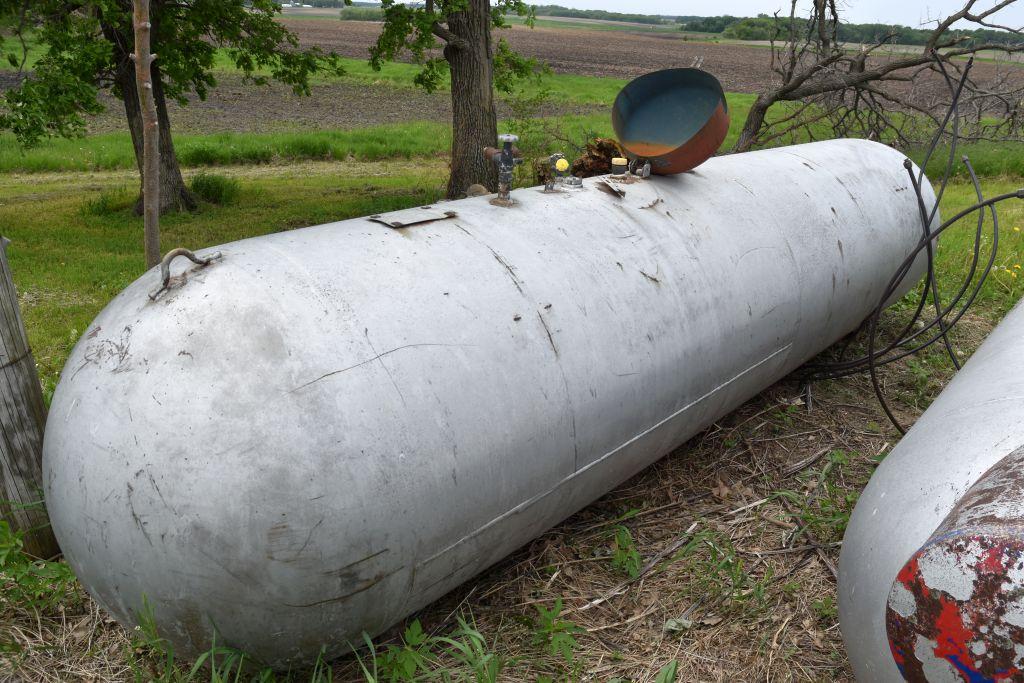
(76, 642)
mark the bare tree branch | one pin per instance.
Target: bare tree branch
(875, 91)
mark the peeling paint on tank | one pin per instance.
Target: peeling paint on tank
(935, 670)
(949, 572)
(963, 591)
(902, 601)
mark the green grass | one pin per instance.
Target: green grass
(1006, 285)
(114, 150)
(420, 139)
(216, 189)
(110, 151)
(11, 48)
(989, 159)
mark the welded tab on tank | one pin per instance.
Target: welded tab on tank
(957, 606)
(409, 217)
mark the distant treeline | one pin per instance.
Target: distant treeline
(761, 27)
(559, 11)
(372, 12)
(764, 27)
(339, 3)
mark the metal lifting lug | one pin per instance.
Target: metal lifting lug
(165, 267)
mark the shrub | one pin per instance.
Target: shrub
(216, 189)
(109, 202)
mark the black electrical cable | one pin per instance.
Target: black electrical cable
(951, 113)
(873, 362)
(909, 341)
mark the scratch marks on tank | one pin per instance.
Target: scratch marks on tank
(551, 338)
(749, 191)
(223, 551)
(135, 516)
(367, 585)
(375, 358)
(650, 277)
(509, 268)
(156, 489)
(383, 365)
(280, 540)
(110, 354)
(565, 384)
(471, 562)
(750, 251)
(347, 569)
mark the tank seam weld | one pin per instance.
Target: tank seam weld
(604, 457)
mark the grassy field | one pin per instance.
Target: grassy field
(719, 608)
(407, 140)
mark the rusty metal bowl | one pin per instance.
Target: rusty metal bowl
(675, 118)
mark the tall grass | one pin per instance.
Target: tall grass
(362, 14)
(114, 150)
(989, 159)
(111, 151)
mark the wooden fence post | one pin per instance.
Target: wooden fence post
(22, 418)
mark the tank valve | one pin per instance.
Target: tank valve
(559, 170)
(507, 158)
(640, 170)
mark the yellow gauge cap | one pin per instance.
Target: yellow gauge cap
(561, 165)
(619, 161)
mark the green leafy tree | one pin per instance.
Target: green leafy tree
(87, 46)
(477, 63)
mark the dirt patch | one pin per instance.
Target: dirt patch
(622, 54)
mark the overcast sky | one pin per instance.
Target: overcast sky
(905, 12)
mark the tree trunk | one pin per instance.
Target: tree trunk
(752, 126)
(174, 195)
(821, 16)
(474, 117)
(22, 417)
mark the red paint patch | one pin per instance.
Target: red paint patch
(953, 636)
(954, 625)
